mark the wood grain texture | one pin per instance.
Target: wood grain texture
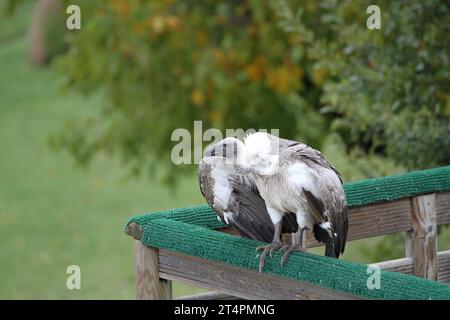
(239, 282)
(379, 219)
(149, 286)
(209, 296)
(421, 240)
(443, 208)
(133, 229)
(444, 266)
(405, 265)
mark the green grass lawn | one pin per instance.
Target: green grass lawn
(54, 213)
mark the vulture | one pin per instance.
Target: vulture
(266, 186)
(234, 196)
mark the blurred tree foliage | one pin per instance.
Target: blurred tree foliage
(374, 99)
(164, 64)
(389, 88)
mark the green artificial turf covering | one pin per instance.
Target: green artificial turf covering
(191, 231)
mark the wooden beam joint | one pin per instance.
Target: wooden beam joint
(421, 240)
(149, 286)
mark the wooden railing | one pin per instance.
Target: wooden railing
(417, 216)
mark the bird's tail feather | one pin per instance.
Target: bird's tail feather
(321, 235)
(329, 249)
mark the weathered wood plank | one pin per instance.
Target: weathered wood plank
(421, 241)
(443, 208)
(405, 265)
(133, 229)
(209, 296)
(379, 219)
(149, 286)
(444, 266)
(239, 282)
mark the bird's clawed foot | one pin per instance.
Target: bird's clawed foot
(267, 250)
(288, 249)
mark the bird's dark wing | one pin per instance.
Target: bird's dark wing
(250, 215)
(331, 205)
(245, 210)
(335, 236)
(251, 212)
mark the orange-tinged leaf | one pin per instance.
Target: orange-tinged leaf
(197, 97)
(255, 70)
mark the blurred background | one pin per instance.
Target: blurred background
(86, 115)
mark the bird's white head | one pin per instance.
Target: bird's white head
(262, 153)
(230, 149)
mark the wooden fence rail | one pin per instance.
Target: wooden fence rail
(417, 216)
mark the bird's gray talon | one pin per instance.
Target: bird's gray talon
(267, 250)
(259, 248)
(288, 251)
(261, 266)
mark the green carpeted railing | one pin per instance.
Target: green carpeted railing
(191, 231)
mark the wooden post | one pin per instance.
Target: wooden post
(148, 284)
(421, 241)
